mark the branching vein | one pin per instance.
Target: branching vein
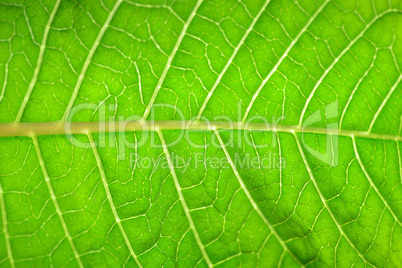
(251, 199)
(170, 59)
(5, 227)
(110, 200)
(183, 201)
(54, 199)
(323, 200)
(89, 58)
(38, 64)
(371, 181)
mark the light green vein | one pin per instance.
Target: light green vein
(60, 128)
(183, 201)
(338, 58)
(171, 57)
(110, 199)
(54, 199)
(384, 102)
(229, 62)
(89, 58)
(38, 64)
(323, 200)
(251, 199)
(371, 181)
(5, 227)
(284, 55)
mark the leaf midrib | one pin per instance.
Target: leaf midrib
(60, 128)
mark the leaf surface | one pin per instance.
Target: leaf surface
(294, 158)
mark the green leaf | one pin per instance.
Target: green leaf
(197, 133)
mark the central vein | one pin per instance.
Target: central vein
(60, 128)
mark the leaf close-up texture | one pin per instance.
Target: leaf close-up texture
(200, 133)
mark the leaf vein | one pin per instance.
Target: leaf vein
(38, 64)
(323, 200)
(110, 199)
(89, 58)
(5, 227)
(183, 201)
(54, 199)
(253, 203)
(284, 55)
(337, 59)
(371, 181)
(218, 80)
(171, 57)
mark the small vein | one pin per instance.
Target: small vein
(346, 49)
(371, 181)
(280, 171)
(284, 55)
(355, 90)
(89, 58)
(54, 199)
(110, 199)
(38, 64)
(218, 80)
(183, 201)
(139, 82)
(253, 203)
(400, 160)
(384, 102)
(323, 200)
(5, 227)
(170, 59)
(6, 70)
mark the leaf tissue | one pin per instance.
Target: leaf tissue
(200, 133)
